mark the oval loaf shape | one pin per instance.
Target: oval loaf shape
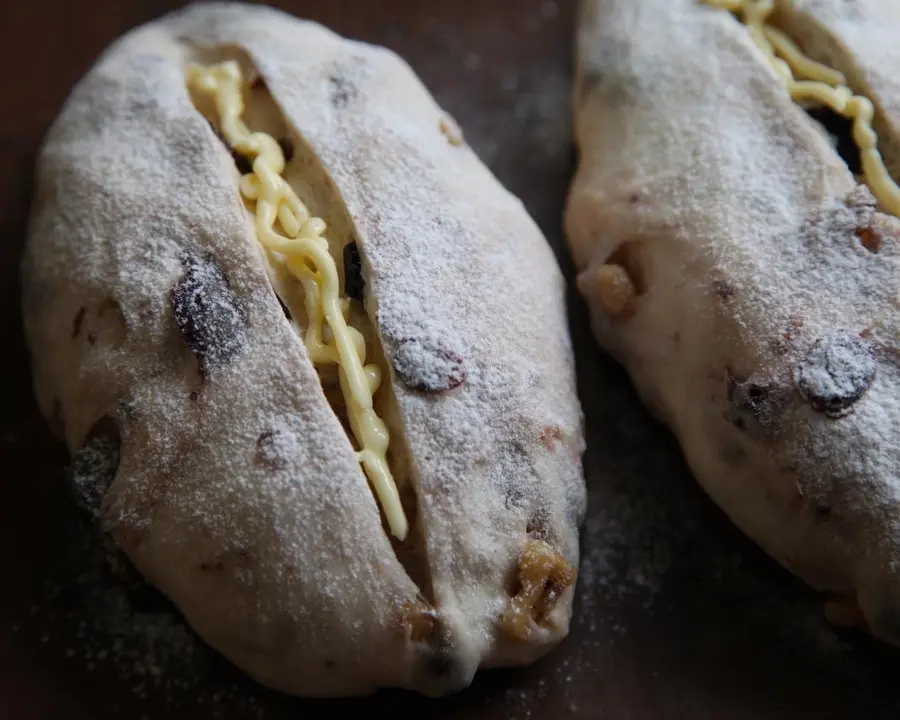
(334, 472)
(762, 323)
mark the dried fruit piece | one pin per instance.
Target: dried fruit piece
(724, 289)
(209, 315)
(78, 321)
(544, 575)
(271, 449)
(451, 131)
(755, 403)
(285, 309)
(419, 619)
(243, 164)
(428, 365)
(342, 91)
(841, 131)
(354, 282)
(614, 289)
(287, 148)
(241, 161)
(869, 239)
(836, 372)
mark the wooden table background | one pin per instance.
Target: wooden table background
(677, 615)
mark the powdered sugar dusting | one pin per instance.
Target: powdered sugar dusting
(242, 522)
(667, 595)
(753, 338)
(836, 372)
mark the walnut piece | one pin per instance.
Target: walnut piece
(450, 130)
(615, 289)
(544, 575)
(418, 619)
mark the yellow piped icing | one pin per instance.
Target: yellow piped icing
(820, 84)
(304, 252)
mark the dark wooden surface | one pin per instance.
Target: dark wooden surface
(677, 615)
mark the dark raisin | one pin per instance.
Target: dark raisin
(756, 392)
(285, 309)
(427, 365)
(76, 323)
(342, 91)
(127, 409)
(208, 313)
(354, 282)
(270, 450)
(841, 129)
(94, 466)
(242, 162)
(754, 404)
(836, 372)
(538, 526)
(723, 289)
(287, 148)
(514, 496)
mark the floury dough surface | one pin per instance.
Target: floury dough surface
(237, 493)
(765, 331)
(676, 615)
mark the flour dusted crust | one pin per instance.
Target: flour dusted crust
(765, 330)
(859, 38)
(233, 487)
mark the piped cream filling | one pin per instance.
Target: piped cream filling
(822, 85)
(299, 247)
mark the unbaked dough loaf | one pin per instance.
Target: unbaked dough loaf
(201, 429)
(745, 278)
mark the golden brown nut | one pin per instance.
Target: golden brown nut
(544, 575)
